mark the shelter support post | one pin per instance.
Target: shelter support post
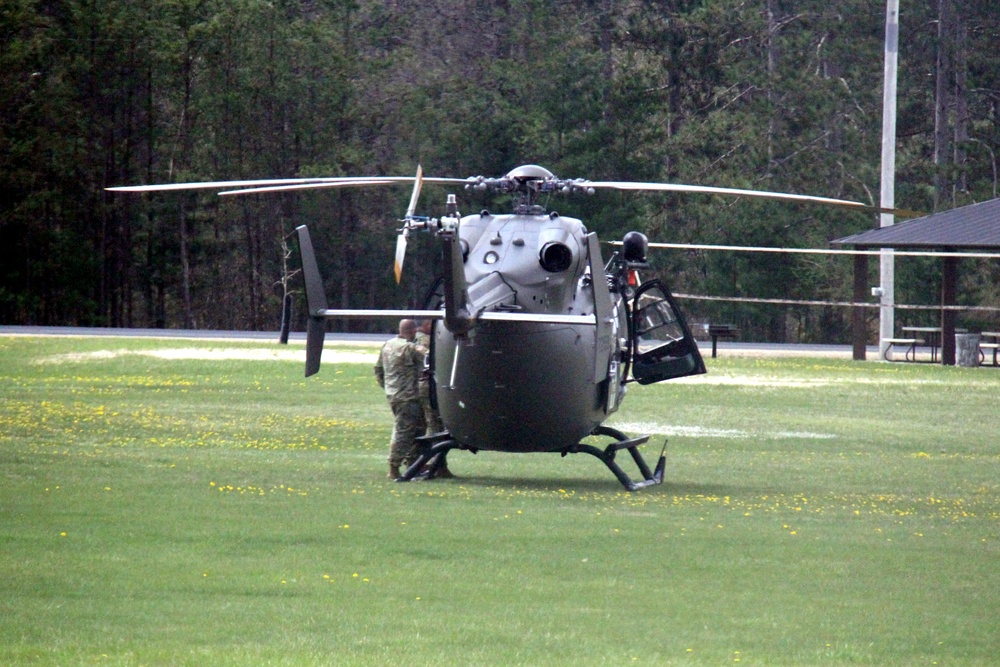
(859, 323)
(949, 289)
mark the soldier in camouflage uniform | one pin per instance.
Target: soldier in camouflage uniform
(398, 371)
(431, 416)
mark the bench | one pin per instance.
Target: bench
(717, 331)
(910, 343)
(995, 345)
(988, 346)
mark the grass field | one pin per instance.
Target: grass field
(169, 502)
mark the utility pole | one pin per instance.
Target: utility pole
(887, 291)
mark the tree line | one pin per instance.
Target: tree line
(763, 94)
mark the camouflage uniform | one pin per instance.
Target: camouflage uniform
(431, 417)
(398, 371)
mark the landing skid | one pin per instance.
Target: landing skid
(432, 452)
(622, 441)
(434, 448)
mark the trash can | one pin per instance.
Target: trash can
(967, 350)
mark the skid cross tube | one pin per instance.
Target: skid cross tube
(432, 451)
(622, 441)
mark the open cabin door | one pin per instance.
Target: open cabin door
(662, 345)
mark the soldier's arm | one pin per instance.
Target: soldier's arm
(417, 353)
(380, 371)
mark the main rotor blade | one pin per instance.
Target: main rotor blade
(760, 194)
(220, 185)
(354, 183)
(282, 182)
(676, 187)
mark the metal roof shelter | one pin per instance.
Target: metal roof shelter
(970, 228)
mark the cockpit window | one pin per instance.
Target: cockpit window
(656, 324)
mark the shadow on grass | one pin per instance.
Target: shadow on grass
(610, 485)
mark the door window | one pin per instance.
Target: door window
(662, 345)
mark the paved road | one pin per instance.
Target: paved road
(724, 347)
(177, 333)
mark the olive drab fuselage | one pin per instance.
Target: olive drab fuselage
(528, 386)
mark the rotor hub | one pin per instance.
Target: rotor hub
(525, 183)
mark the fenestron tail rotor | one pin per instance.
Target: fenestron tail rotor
(405, 231)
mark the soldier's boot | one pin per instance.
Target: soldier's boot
(443, 472)
(393, 472)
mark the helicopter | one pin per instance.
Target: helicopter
(535, 337)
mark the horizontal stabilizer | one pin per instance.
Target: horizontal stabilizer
(492, 316)
(348, 313)
(498, 316)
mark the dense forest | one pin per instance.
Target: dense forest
(764, 94)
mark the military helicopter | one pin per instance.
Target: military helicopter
(535, 336)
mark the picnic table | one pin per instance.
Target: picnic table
(909, 343)
(717, 331)
(929, 336)
(994, 345)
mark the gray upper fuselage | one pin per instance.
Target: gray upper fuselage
(503, 265)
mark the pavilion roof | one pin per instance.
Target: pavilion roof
(973, 227)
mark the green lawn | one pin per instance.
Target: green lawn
(159, 509)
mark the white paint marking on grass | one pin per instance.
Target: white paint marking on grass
(765, 381)
(654, 428)
(216, 354)
(751, 381)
